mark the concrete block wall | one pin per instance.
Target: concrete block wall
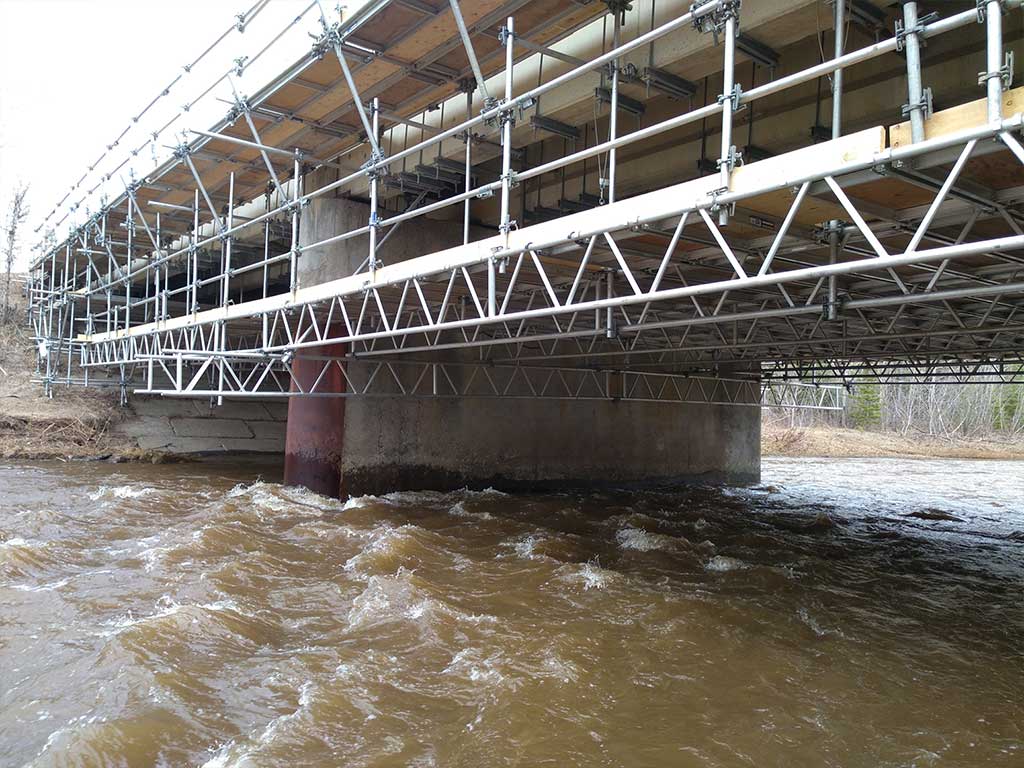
(193, 427)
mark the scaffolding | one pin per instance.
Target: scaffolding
(775, 273)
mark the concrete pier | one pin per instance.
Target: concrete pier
(438, 444)
(359, 445)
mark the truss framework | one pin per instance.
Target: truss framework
(213, 377)
(872, 287)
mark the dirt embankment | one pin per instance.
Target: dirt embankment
(75, 423)
(834, 442)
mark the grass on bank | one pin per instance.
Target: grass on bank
(837, 442)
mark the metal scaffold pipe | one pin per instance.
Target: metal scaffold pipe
(729, 100)
(837, 76)
(834, 243)
(374, 222)
(916, 105)
(994, 55)
(469, 171)
(506, 116)
(613, 116)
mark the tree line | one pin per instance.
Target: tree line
(969, 410)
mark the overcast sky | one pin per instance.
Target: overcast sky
(73, 73)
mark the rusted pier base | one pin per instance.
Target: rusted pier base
(316, 425)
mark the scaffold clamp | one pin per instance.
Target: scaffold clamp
(919, 29)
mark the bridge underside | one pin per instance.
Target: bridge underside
(595, 263)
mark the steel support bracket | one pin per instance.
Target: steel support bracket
(523, 106)
(505, 115)
(619, 8)
(321, 45)
(822, 233)
(376, 158)
(628, 72)
(239, 108)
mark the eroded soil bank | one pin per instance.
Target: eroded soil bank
(76, 423)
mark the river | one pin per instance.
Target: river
(195, 615)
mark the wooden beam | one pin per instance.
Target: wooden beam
(958, 118)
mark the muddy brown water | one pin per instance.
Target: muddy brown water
(193, 615)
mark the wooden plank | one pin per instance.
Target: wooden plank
(958, 118)
(891, 192)
(813, 210)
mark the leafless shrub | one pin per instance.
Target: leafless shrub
(16, 216)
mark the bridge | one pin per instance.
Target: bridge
(544, 242)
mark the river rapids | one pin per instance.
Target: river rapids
(843, 613)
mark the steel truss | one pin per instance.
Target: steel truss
(907, 370)
(213, 377)
(645, 291)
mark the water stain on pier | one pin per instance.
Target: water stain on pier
(187, 615)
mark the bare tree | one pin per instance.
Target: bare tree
(15, 217)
